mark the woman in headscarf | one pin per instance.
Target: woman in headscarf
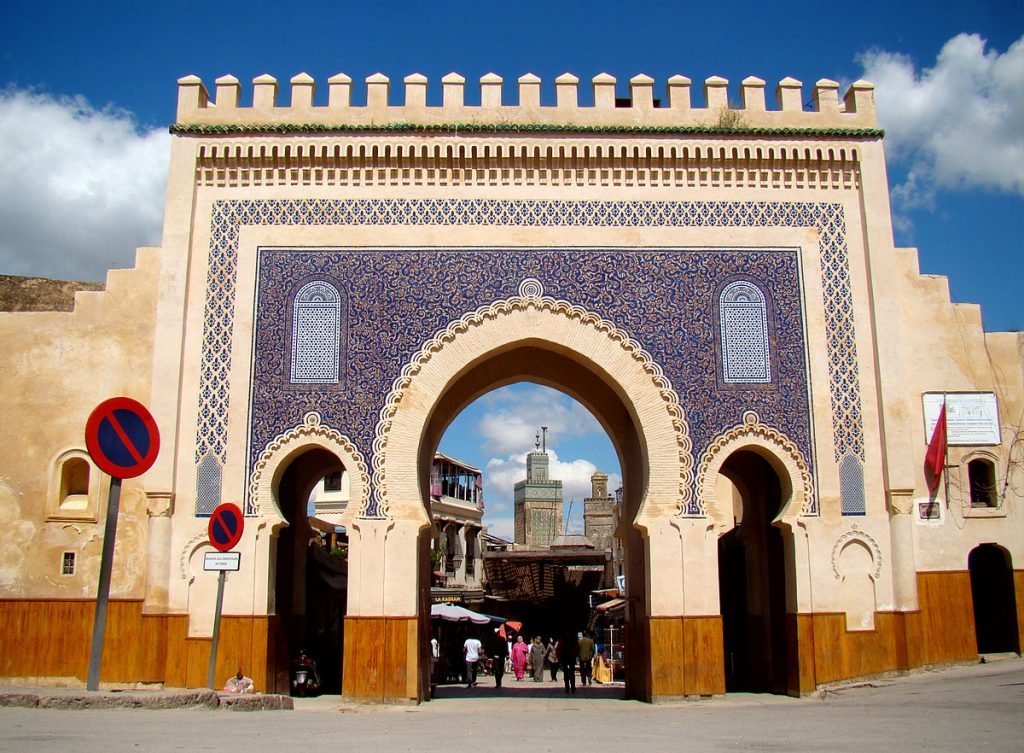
(519, 652)
(537, 652)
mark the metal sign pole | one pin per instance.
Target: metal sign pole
(99, 625)
(211, 669)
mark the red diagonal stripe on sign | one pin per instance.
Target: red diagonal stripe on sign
(123, 436)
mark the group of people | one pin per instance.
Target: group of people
(564, 654)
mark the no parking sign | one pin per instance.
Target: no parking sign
(122, 437)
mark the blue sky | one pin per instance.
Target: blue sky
(89, 90)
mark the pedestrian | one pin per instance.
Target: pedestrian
(519, 652)
(472, 649)
(537, 658)
(552, 658)
(499, 653)
(586, 650)
(568, 649)
(602, 669)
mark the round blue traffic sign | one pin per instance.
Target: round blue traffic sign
(225, 527)
(122, 437)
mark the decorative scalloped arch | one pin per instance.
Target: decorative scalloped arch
(311, 433)
(662, 420)
(745, 435)
(855, 534)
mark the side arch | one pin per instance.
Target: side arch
(286, 446)
(776, 448)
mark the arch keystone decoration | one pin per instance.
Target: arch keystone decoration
(571, 328)
(311, 433)
(752, 433)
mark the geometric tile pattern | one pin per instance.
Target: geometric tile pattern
(851, 486)
(743, 317)
(316, 334)
(827, 218)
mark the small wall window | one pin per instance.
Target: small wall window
(332, 482)
(981, 474)
(75, 487)
(67, 565)
(743, 318)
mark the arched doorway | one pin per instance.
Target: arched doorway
(310, 575)
(584, 383)
(995, 602)
(753, 580)
(549, 555)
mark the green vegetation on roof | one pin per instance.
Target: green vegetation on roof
(191, 129)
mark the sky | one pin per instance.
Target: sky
(88, 90)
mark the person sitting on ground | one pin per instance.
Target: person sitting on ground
(240, 684)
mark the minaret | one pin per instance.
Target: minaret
(598, 512)
(538, 499)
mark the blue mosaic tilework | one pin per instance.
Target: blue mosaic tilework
(229, 216)
(399, 298)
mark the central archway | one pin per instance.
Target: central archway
(536, 339)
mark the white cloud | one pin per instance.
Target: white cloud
(958, 124)
(80, 188)
(501, 475)
(513, 418)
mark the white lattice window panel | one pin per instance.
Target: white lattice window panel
(851, 486)
(208, 483)
(743, 317)
(316, 334)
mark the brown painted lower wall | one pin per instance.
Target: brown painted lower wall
(686, 656)
(44, 638)
(51, 638)
(381, 662)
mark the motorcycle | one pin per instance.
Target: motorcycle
(305, 677)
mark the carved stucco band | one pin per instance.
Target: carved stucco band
(261, 497)
(752, 428)
(872, 545)
(531, 296)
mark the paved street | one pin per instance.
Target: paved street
(974, 708)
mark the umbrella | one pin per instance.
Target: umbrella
(512, 624)
(453, 613)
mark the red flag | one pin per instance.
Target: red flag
(935, 458)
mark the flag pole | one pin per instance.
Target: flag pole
(945, 455)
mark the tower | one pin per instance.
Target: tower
(538, 499)
(598, 512)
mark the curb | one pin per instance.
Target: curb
(210, 699)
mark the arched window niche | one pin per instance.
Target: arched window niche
(743, 331)
(316, 334)
(75, 487)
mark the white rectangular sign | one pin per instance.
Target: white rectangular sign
(216, 561)
(972, 418)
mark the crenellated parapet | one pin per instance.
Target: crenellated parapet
(271, 110)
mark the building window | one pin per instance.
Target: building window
(316, 334)
(67, 564)
(332, 482)
(981, 474)
(743, 321)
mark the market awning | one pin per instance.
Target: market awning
(455, 613)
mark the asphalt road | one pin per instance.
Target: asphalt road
(974, 708)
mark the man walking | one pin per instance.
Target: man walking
(472, 649)
(586, 658)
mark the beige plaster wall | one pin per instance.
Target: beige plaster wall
(57, 368)
(945, 349)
